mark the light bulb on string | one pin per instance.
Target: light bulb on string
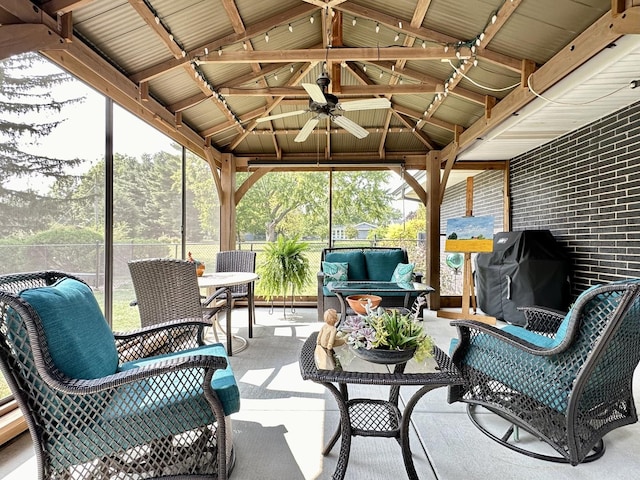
(494, 19)
(157, 19)
(220, 51)
(377, 28)
(291, 28)
(244, 45)
(397, 37)
(353, 22)
(424, 44)
(311, 19)
(206, 51)
(399, 23)
(266, 37)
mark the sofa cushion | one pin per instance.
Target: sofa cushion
(223, 382)
(382, 263)
(335, 272)
(403, 273)
(356, 270)
(80, 341)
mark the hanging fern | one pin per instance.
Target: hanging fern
(285, 265)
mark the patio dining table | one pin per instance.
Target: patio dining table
(227, 279)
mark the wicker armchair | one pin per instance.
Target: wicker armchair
(97, 404)
(566, 379)
(240, 261)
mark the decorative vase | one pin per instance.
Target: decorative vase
(383, 356)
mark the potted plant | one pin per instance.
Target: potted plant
(386, 336)
(284, 266)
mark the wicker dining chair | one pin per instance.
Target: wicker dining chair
(240, 261)
(167, 289)
(100, 404)
(566, 379)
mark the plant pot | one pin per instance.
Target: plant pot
(384, 357)
(359, 302)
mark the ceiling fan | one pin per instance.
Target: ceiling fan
(326, 105)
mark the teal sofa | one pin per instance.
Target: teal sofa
(363, 263)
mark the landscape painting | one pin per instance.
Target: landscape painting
(470, 234)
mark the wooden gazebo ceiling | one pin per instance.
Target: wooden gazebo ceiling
(204, 72)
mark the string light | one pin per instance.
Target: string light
(424, 44)
(446, 48)
(353, 22)
(364, 68)
(291, 69)
(400, 24)
(311, 19)
(377, 28)
(397, 37)
(494, 19)
(157, 18)
(206, 51)
(220, 51)
(290, 28)
(266, 37)
(244, 45)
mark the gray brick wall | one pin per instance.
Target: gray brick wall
(487, 199)
(585, 188)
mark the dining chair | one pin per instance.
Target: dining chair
(240, 261)
(166, 289)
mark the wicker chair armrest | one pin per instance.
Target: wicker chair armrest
(74, 386)
(542, 320)
(161, 338)
(221, 292)
(467, 329)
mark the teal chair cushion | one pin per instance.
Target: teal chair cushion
(223, 382)
(357, 269)
(382, 263)
(80, 341)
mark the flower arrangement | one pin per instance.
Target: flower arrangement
(387, 330)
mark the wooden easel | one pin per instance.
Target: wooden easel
(468, 287)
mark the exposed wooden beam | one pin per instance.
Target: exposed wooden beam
(335, 55)
(362, 90)
(420, 135)
(601, 34)
(291, 15)
(60, 7)
(423, 33)
(21, 38)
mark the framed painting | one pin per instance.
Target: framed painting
(470, 234)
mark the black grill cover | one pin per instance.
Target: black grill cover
(526, 268)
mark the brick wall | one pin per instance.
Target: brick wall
(487, 199)
(585, 188)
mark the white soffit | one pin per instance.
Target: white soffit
(606, 78)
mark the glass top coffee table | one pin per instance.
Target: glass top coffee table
(335, 369)
(342, 289)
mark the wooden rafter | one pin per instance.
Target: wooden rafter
(251, 31)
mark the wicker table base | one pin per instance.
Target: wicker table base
(374, 417)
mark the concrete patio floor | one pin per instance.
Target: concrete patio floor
(284, 421)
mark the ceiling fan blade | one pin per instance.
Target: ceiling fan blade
(368, 104)
(315, 92)
(280, 115)
(350, 126)
(306, 130)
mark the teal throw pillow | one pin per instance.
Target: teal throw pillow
(335, 272)
(80, 341)
(403, 273)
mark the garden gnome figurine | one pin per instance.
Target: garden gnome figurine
(327, 335)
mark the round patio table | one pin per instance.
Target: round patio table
(227, 279)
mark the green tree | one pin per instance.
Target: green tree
(297, 203)
(29, 112)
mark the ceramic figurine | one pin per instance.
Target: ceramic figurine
(327, 337)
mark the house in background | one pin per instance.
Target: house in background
(339, 232)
